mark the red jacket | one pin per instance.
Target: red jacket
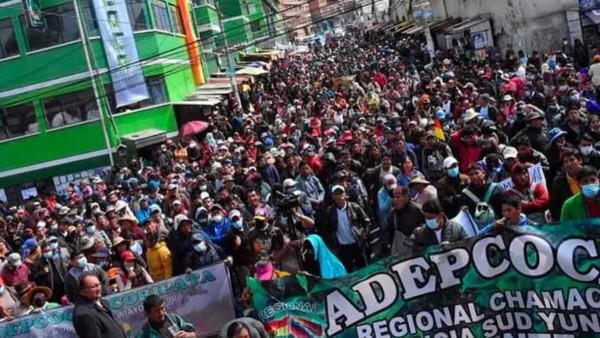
(466, 154)
(541, 198)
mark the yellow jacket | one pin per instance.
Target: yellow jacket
(160, 265)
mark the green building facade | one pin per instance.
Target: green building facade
(50, 123)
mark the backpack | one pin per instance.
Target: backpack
(484, 213)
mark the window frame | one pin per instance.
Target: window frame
(132, 19)
(158, 19)
(45, 32)
(3, 52)
(176, 20)
(255, 24)
(84, 98)
(22, 117)
(154, 84)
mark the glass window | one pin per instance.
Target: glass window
(60, 27)
(137, 14)
(8, 42)
(204, 2)
(176, 24)
(18, 121)
(255, 27)
(251, 9)
(71, 108)
(156, 90)
(161, 16)
(89, 15)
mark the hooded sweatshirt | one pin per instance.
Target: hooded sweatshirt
(160, 265)
(329, 264)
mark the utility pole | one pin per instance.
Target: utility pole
(84, 41)
(229, 62)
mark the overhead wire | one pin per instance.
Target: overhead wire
(184, 67)
(170, 52)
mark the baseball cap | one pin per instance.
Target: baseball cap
(260, 214)
(449, 162)
(338, 189)
(234, 213)
(509, 152)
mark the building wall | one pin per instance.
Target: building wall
(81, 146)
(519, 24)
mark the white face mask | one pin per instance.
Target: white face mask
(585, 151)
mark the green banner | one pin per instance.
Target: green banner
(522, 282)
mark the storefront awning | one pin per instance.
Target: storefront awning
(145, 138)
(594, 16)
(414, 30)
(201, 101)
(459, 28)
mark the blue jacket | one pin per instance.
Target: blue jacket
(142, 215)
(218, 231)
(384, 205)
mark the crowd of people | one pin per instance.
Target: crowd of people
(363, 148)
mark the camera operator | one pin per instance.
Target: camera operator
(293, 221)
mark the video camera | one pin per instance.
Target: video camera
(286, 203)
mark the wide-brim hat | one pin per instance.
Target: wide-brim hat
(471, 114)
(118, 240)
(25, 292)
(128, 217)
(419, 180)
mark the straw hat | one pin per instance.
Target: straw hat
(419, 180)
(25, 291)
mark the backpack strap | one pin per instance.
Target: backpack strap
(489, 192)
(471, 195)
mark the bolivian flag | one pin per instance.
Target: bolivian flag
(439, 130)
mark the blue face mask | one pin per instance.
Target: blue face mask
(54, 245)
(82, 262)
(432, 223)
(453, 172)
(590, 190)
(200, 247)
(47, 255)
(238, 224)
(90, 229)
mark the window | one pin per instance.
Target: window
(8, 42)
(60, 27)
(137, 14)
(251, 9)
(255, 27)
(156, 91)
(176, 24)
(71, 108)
(18, 121)
(161, 16)
(89, 15)
(204, 2)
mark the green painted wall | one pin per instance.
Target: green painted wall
(163, 48)
(258, 24)
(206, 15)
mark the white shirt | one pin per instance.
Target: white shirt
(438, 235)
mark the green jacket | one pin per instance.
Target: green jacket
(148, 332)
(574, 208)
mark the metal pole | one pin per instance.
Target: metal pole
(84, 40)
(229, 62)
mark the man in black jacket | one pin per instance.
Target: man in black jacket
(346, 229)
(565, 184)
(92, 317)
(403, 220)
